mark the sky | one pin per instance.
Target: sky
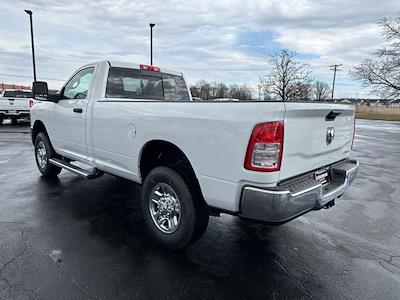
(228, 41)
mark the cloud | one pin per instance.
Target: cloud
(216, 40)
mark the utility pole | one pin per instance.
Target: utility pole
(151, 42)
(32, 44)
(334, 68)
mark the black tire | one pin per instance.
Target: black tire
(48, 170)
(1, 120)
(193, 212)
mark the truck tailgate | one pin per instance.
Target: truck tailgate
(14, 103)
(308, 143)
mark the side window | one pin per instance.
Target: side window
(175, 88)
(79, 84)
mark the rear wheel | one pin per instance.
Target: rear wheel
(43, 153)
(173, 216)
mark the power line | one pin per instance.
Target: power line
(21, 76)
(334, 68)
(346, 84)
(317, 67)
(245, 69)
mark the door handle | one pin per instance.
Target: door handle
(78, 110)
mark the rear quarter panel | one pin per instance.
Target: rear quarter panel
(214, 136)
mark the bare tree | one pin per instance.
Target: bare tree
(207, 90)
(321, 90)
(194, 91)
(381, 71)
(222, 90)
(302, 90)
(286, 75)
(241, 92)
(202, 89)
(213, 89)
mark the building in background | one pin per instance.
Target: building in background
(4, 86)
(395, 104)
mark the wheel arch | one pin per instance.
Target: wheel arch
(160, 152)
(38, 126)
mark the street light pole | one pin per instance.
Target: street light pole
(32, 43)
(151, 42)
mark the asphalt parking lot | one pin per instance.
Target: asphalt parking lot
(79, 239)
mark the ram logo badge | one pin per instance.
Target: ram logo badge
(330, 135)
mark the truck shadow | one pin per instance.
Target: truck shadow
(233, 258)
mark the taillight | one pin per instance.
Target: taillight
(149, 68)
(264, 152)
(31, 102)
(354, 132)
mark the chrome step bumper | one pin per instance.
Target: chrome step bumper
(15, 113)
(297, 196)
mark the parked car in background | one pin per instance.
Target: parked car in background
(15, 104)
(262, 161)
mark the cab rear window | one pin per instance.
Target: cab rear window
(136, 84)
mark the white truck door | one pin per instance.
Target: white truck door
(70, 114)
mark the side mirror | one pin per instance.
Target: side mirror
(40, 92)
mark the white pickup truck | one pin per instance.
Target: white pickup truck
(262, 161)
(15, 104)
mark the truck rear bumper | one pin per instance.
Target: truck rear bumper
(297, 196)
(15, 113)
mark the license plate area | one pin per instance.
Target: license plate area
(12, 111)
(322, 176)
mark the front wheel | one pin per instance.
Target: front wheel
(174, 218)
(43, 152)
